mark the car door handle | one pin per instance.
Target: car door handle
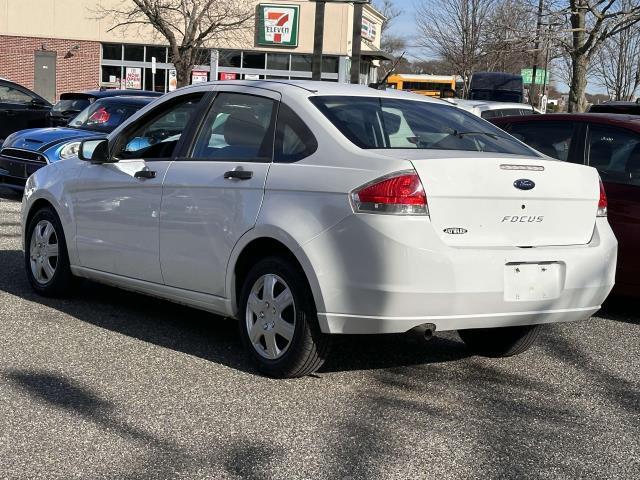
(239, 174)
(145, 174)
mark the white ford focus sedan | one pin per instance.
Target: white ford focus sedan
(309, 209)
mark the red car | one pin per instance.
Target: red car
(610, 143)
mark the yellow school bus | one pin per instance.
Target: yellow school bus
(430, 85)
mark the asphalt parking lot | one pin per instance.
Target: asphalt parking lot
(108, 384)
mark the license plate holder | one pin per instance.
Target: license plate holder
(527, 282)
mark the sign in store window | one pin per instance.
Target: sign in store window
(133, 78)
(278, 25)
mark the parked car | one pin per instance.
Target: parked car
(20, 108)
(488, 110)
(72, 103)
(626, 108)
(610, 143)
(324, 220)
(26, 151)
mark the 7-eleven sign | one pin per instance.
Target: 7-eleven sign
(278, 25)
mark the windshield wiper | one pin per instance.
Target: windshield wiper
(488, 134)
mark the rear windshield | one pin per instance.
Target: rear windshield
(387, 123)
(103, 117)
(71, 105)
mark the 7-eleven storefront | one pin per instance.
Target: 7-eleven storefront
(88, 54)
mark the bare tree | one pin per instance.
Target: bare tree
(617, 64)
(508, 36)
(591, 23)
(454, 30)
(390, 43)
(187, 25)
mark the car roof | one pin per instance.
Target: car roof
(488, 105)
(631, 121)
(615, 103)
(125, 100)
(321, 88)
(109, 93)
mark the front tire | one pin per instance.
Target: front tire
(500, 342)
(278, 321)
(46, 258)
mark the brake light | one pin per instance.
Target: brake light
(400, 194)
(602, 203)
(100, 116)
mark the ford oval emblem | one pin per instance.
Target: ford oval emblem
(524, 184)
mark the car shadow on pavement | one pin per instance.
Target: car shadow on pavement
(620, 309)
(163, 455)
(209, 336)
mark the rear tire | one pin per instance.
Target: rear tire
(278, 321)
(45, 257)
(500, 342)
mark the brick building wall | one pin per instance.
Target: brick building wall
(78, 73)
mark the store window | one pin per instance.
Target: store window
(329, 64)
(202, 56)
(112, 51)
(156, 84)
(230, 58)
(253, 60)
(134, 53)
(159, 52)
(111, 74)
(278, 61)
(301, 63)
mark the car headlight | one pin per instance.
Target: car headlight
(70, 150)
(8, 140)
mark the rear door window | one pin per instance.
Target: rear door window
(239, 127)
(551, 138)
(615, 152)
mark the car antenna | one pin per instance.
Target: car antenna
(378, 85)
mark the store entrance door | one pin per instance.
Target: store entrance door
(45, 75)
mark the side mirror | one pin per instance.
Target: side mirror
(94, 151)
(36, 102)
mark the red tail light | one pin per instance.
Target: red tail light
(100, 116)
(602, 203)
(401, 194)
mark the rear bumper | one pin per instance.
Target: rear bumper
(383, 274)
(353, 324)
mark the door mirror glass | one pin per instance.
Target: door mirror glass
(94, 151)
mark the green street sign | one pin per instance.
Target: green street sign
(278, 25)
(542, 76)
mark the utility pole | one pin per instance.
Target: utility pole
(356, 42)
(318, 39)
(536, 48)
